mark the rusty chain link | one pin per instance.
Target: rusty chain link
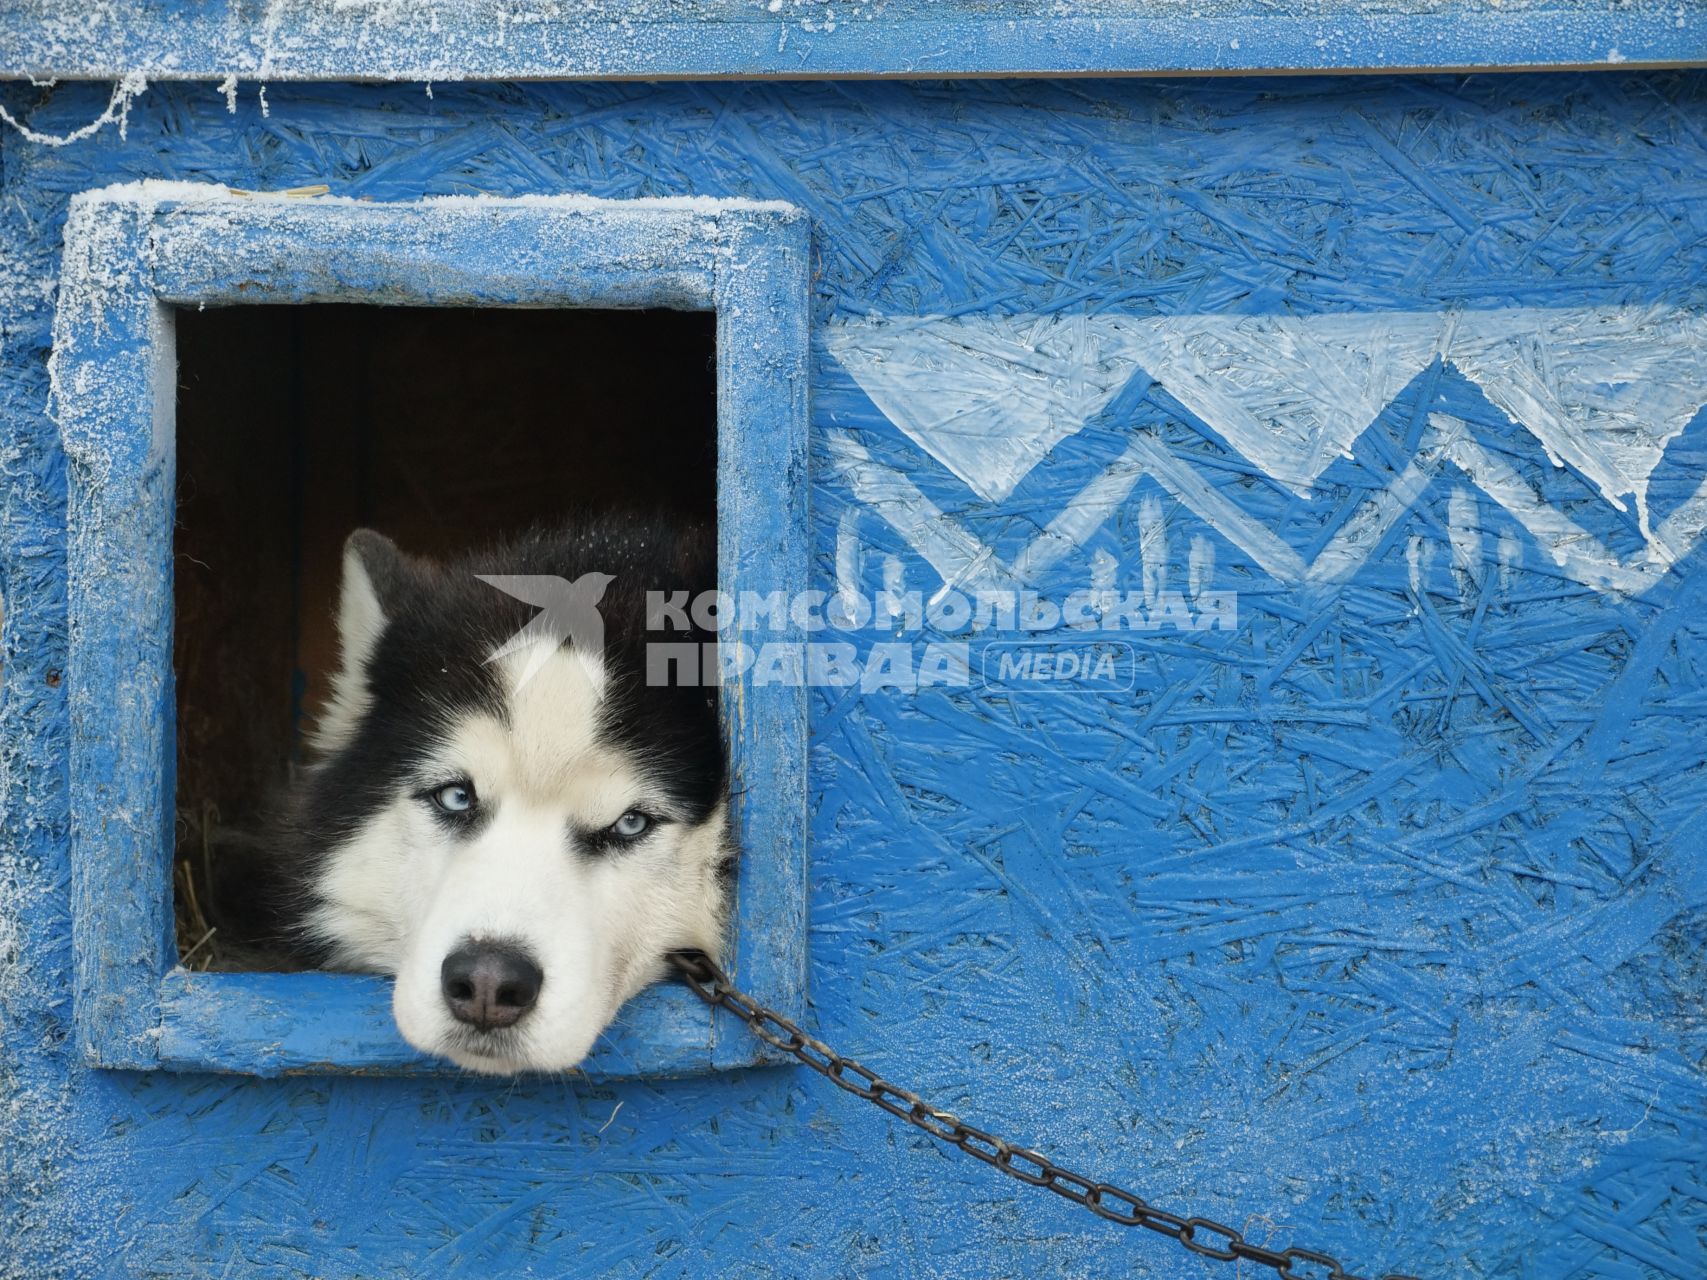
(1202, 1236)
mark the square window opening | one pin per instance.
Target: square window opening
(444, 428)
(177, 422)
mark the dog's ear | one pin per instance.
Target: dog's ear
(376, 576)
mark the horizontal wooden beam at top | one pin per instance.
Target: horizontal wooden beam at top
(446, 40)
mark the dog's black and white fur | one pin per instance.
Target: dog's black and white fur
(520, 839)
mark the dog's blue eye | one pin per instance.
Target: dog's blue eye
(631, 824)
(455, 797)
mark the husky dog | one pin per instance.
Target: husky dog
(505, 815)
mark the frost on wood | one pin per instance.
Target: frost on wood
(117, 112)
(112, 242)
(446, 40)
(117, 235)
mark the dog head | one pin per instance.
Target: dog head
(507, 816)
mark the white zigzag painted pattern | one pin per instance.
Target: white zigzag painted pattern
(1602, 388)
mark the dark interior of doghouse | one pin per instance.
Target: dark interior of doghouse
(442, 428)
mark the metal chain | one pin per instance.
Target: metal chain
(1202, 1236)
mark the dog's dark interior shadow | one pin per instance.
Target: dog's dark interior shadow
(442, 427)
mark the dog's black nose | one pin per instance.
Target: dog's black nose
(489, 984)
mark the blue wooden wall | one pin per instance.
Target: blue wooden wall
(444, 40)
(1374, 922)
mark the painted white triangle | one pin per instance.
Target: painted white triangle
(1604, 388)
(1291, 393)
(986, 396)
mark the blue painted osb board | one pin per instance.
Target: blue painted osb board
(1373, 920)
(515, 39)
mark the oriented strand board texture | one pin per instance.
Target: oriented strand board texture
(464, 40)
(1375, 922)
